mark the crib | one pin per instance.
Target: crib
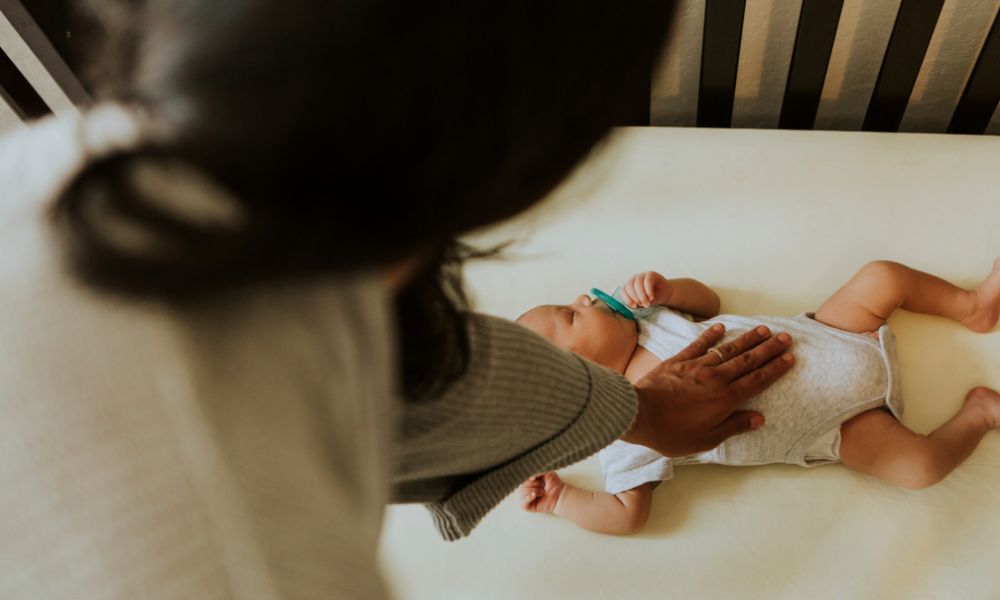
(777, 146)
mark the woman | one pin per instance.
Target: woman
(198, 391)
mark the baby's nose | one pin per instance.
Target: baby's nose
(582, 299)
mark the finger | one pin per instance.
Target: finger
(636, 286)
(754, 382)
(736, 347)
(627, 291)
(739, 422)
(650, 286)
(719, 356)
(741, 364)
(700, 346)
(640, 288)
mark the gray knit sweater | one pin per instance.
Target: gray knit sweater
(523, 408)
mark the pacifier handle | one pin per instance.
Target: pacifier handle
(613, 304)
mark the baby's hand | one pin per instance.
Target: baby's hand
(541, 492)
(646, 289)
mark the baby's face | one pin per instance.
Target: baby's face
(587, 327)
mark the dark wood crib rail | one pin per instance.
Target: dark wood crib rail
(60, 40)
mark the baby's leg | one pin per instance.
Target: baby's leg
(880, 287)
(875, 443)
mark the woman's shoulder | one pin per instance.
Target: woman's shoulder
(36, 163)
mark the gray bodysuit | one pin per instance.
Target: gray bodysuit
(837, 374)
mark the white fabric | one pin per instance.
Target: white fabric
(826, 448)
(837, 374)
(239, 450)
(626, 466)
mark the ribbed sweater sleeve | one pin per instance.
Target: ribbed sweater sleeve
(523, 407)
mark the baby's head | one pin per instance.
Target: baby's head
(587, 327)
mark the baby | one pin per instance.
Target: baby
(840, 403)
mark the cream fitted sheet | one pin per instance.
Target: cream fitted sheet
(775, 221)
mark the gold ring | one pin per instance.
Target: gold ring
(717, 352)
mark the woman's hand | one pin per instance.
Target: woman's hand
(647, 289)
(688, 404)
(541, 492)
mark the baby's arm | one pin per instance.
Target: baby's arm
(616, 514)
(688, 295)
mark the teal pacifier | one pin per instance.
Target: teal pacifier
(613, 304)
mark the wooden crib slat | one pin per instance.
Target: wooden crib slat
(982, 92)
(18, 93)
(719, 59)
(817, 29)
(911, 35)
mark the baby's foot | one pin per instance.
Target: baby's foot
(986, 400)
(986, 309)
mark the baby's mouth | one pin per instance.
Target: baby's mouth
(599, 303)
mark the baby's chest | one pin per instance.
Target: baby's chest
(643, 361)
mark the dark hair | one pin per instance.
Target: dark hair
(351, 133)
(431, 312)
